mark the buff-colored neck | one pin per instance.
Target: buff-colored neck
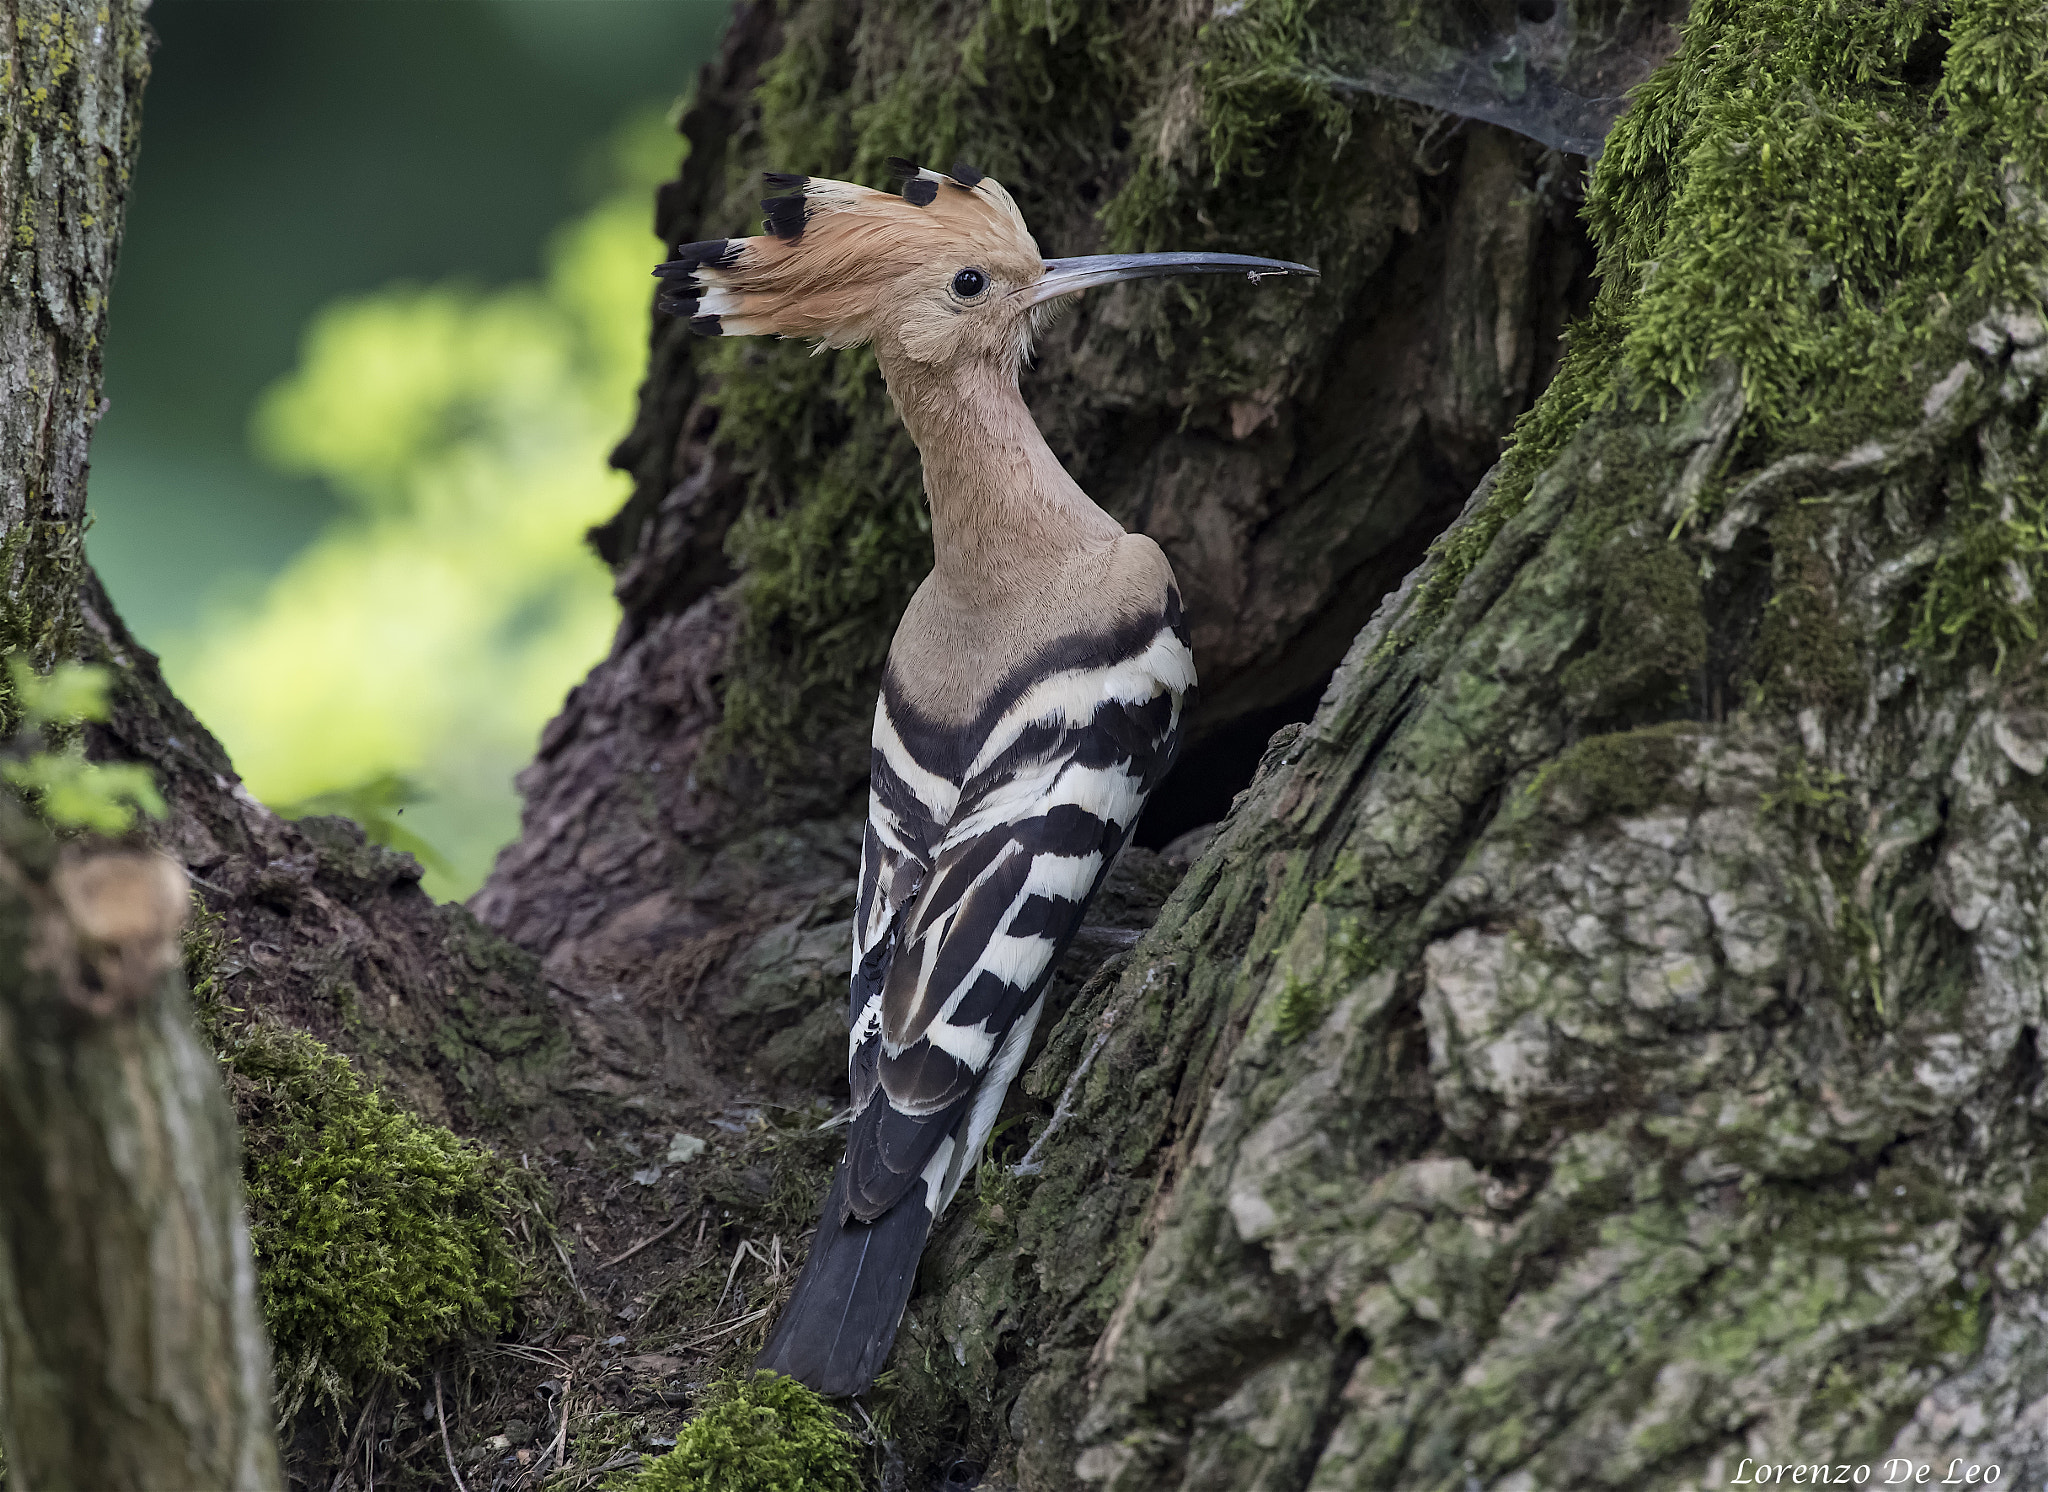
(1005, 514)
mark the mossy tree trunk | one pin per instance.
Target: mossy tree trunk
(1294, 452)
(131, 1351)
(1602, 1044)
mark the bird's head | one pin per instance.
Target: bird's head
(944, 273)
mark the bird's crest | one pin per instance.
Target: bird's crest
(835, 255)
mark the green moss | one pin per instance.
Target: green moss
(1652, 639)
(378, 1238)
(799, 123)
(596, 1439)
(834, 537)
(203, 948)
(759, 1433)
(1808, 796)
(1623, 772)
(1251, 154)
(832, 542)
(1985, 588)
(1805, 651)
(1874, 933)
(1303, 1003)
(1829, 195)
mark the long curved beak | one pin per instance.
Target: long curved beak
(1066, 276)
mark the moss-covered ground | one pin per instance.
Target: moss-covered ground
(379, 1239)
(398, 1262)
(758, 1432)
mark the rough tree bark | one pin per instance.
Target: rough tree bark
(131, 1351)
(1294, 459)
(1602, 1044)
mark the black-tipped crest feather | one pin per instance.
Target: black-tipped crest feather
(716, 253)
(920, 191)
(965, 175)
(786, 216)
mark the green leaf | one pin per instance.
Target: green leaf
(66, 695)
(77, 794)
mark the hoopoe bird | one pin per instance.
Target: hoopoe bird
(1032, 699)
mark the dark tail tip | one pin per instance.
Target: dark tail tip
(836, 1331)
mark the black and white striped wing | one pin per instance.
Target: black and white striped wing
(908, 808)
(1043, 809)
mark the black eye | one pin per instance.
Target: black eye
(969, 283)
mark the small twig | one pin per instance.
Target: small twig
(746, 1247)
(563, 1254)
(447, 1445)
(562, 1435)
(643, 1243)
(355, 1439)
(726, 1330)
(1031, 1165)
(545, 1357)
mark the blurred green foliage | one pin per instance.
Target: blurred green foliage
(377, 804)
(69, 791)
(428, 634)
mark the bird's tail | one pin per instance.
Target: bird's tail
(836, 1330)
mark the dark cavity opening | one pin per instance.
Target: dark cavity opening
(1215, 769)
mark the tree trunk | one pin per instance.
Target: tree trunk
(1294, 453)
(1601, 1045)
(131, 1352)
